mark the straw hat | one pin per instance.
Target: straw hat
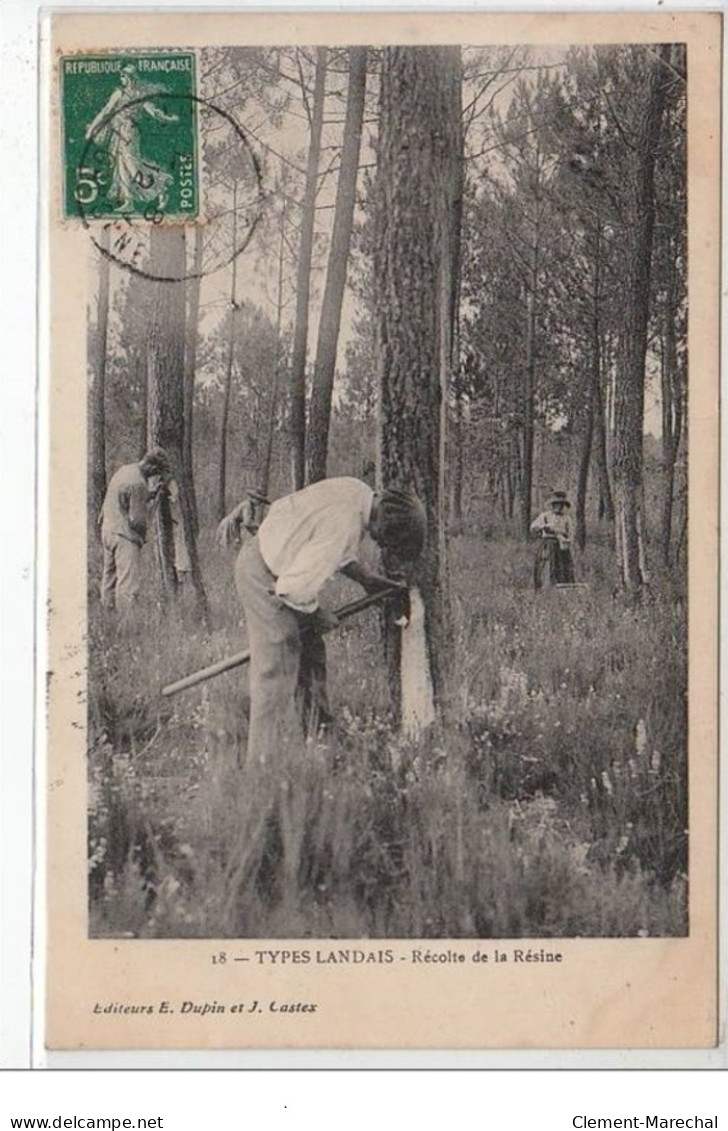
(257, 496)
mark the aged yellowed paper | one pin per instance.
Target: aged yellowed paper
(499, 237)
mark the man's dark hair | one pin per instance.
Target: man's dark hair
(402, 523)
(155, 462)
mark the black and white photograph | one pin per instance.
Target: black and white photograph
(400, 430)
(384, 426)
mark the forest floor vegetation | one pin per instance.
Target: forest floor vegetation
(554, 805)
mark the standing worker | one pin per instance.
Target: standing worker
(123, 521)
(303, 541)
(247, 516)
(554, 527)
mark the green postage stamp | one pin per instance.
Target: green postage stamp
(129, 136)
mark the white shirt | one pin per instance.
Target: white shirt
(307, 537)
(124, 511)
(559, 523)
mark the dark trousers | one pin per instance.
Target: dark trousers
(553, 564)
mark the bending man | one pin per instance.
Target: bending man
(303, 541)
(247, 516)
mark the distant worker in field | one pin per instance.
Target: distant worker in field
(123, 521)
(247, 516)
(304, 540)
(554, 552)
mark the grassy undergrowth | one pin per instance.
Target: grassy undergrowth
(555, 805)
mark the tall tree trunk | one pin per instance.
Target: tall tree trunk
(513, 473)
(97, 478)
(598, 420)
(458, 438)
(165, 365)
(228, 378)
(415, 275)
(582, 481)
(166, 397)
(451, 217)
(630, 376)
(141, 366)
(592, 406)
(511, 480)
(671, 410)
(668, 456)
(328, 333)
(264, 483)
(303, 284)
(137, 320)
(529, 399)
(606, 502)
(193, 313)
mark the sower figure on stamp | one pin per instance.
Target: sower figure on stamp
(554, 527)
(116, 128)
(304, 540)
(123, 521)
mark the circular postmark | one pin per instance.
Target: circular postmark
(126, 186)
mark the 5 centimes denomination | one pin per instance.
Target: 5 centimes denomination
(141, 149)
(130, 136)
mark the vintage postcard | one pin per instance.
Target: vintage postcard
(383, 387)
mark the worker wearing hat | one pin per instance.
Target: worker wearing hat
(554, 527)
(304, 540)
(123, 521)
(246, 516)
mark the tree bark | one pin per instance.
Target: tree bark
(451, 219)
(582, 481)
(592, 409)
(630, 375)
(458, 439)
(606, 501)
(166, 398)
(193, 313)
(303, 284)
(141, 363)
(672, 410)
(513, 475)
(671, 193)
(273, 408)
(97, 478)
(329, 325)
(599, 424)
(415, 278)
(228, 378)
(529, 400)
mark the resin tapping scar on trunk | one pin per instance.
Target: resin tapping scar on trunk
(418, 706)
